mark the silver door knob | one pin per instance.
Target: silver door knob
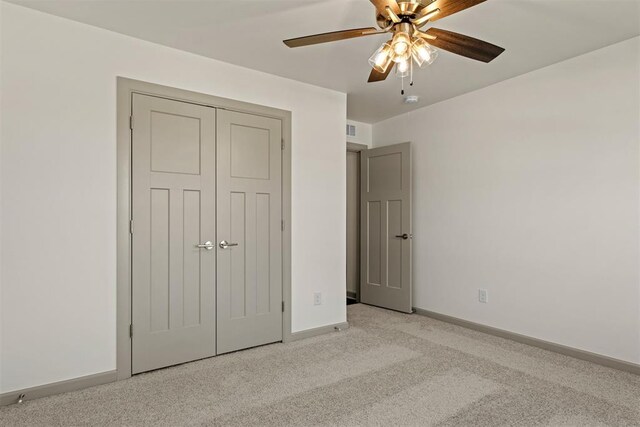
(208, 245)
(224, 244)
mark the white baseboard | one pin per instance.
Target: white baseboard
(319, 331)
(37, 392)
(31, 393)
(58, 387)
(535, 342)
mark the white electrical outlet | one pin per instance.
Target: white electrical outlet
(483, 296)
(317, 298)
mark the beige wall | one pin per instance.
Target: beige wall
(530, 189)
(58, 206)
(363, 134)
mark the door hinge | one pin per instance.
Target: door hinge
(283, 306)
(131, 226)
(131, 122)
(282, 144)
(282, 225)
(130, 330)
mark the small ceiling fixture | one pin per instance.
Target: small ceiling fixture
(410, 44)
(411, 99)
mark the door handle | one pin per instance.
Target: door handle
(224, 244)
(208, 245)
(404, 236)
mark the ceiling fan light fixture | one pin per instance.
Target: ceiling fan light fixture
(392, 15)
(381, 58)
(401, 43)
(402, 69)
(423, 53)
(401, 58)
(409, 7)
(425, 17)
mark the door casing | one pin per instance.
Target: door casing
(356, 148)
(125, 90)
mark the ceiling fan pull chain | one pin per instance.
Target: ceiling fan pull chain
(411, 71)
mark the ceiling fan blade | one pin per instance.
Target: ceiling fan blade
(330, 37)
(463, 45)
(381, 6)
(448, 7)
(377, 76)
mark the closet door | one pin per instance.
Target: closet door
(249, 274)
(173, 265)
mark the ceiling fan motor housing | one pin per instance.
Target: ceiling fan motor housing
(408, 11)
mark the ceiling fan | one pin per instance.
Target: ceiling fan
(405, 20)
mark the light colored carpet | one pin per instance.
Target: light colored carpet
(387, 369)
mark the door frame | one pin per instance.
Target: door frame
(354, 147)
(125, 90)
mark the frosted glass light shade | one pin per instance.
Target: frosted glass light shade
(381, 58)
(423, 53)
(402, 68)
(401, 43)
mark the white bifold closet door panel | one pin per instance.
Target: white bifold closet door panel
(249, 268)
(385, 279)
(173, 280)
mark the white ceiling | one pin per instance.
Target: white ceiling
(535, 33)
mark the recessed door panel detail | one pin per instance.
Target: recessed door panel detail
(385, 278)
(250, 271)
(394, 257)
(175, 143)
(374, 243)
(249, 152)
(192, 256)
(385, 172)
(159, 283)
(238, 300)
(263, 251)
(173, 280)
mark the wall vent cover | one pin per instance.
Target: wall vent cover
(351, 130)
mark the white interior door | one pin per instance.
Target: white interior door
(386, 227)
(173, 280)
(249, 231)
